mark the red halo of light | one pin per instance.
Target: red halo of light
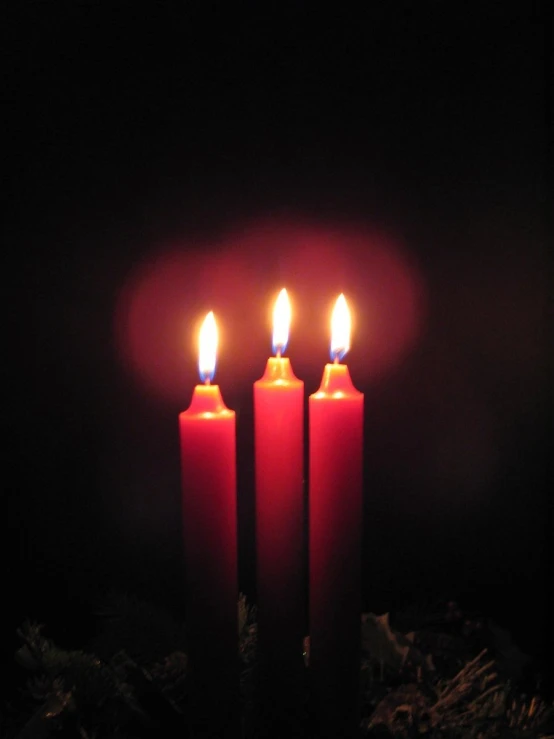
(159, 307)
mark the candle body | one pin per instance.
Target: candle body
(209, 506)
(335, 531)
(280, 546)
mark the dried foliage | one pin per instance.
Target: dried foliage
(434, 672)
(438, 680)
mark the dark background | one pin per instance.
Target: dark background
(162, 164)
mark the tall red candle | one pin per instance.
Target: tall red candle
(335, 531)
(209, 506)
(279, 462)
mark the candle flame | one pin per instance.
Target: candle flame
(207, 348)
(340, 329)
(281, 323)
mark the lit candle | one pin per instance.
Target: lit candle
(335, 530)
(209, 505)
(279, 463)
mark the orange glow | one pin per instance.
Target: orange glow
(340, 329)
(281, 322)
(207, 348)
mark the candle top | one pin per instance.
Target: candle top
(278, 373)
(281, 323)
(340, 329)
(207, 402)
(336, 383)
(207, 348)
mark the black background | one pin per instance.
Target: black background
(134, 135)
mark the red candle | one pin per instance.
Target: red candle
(279, 473)
(335, 530)
(209, 505)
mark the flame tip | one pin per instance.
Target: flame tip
(208, 340)
(340, 329)
(281, 322)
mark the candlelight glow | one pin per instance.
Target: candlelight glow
(207, 348)
(281, 322)
(340, 329)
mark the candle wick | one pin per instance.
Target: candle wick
(336, 359)
(207, 381)
(278, 352)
